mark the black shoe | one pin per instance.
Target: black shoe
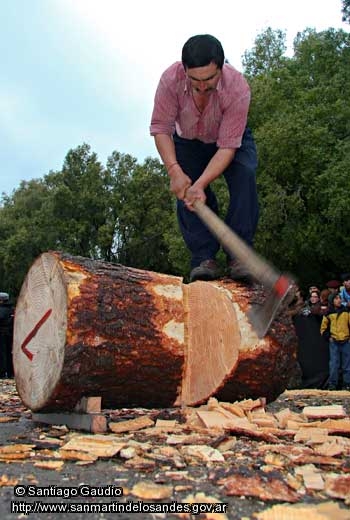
(331, 387)
(206, 270)
(237, 271)
(346, 387)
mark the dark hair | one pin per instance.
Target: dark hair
(201, 50)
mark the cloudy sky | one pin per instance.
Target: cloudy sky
(75, 71)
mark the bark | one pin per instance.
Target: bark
(138, 338)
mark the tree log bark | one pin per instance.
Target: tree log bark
(138, 338)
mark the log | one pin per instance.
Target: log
(139, 338)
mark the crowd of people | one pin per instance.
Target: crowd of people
(332, 306)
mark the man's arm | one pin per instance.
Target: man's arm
(179, 181)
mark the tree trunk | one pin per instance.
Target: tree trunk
(138, 338)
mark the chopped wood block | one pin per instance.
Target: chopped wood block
(94, 423)
(286, 415)
(264, 423)
(166, 425)
(316, 435)
(233, 408)
(89, 405)
(338, 486)
(50, 464)
(330, 449)
(131, 425)
(213, 419)
(99, 445)
(318, 412)
(312, 477)
(148, 490)
(205, 453)
(334, 425)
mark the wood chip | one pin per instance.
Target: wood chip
(50, 464)
(269, 488)
(148, 490)
(319, 412)
(338, 486)
(312, 435)
(311, 476)
(322, 511)
(141, 463)
(98, 445)
(77, 455)
(8, 481)
(205, 453)
(131, 425)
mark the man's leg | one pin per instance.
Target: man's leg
(346, 364)
(243, 211)
(334, 364)
(193, 156)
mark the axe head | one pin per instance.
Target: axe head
(261, 316)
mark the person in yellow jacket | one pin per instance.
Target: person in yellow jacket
(336, 325)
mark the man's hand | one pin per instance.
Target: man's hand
(194, 193)
(179, 182)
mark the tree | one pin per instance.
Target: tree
(267, 53)
(346, 11)
(300, 116)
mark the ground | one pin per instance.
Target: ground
(252, 470)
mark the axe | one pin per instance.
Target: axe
(280, 286)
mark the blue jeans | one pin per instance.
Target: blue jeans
(339, 358)
(240, 176)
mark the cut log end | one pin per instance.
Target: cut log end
(40, 331)
(213, 341)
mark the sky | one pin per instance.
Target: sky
(85, 71)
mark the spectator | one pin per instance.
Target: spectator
(324, 303)
(6, 335)
(345, 290)
(333, 286)
(312, 304)
(313, 288)
(315, 303)
(336, 324)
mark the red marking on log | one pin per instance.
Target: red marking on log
(32, 333)
(282, 285)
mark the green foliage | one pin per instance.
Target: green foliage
(300, 118)
(346, 11)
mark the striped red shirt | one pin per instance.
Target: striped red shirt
(223, 120)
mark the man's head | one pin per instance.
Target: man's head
(333, 285)
(4, 297)
(203, 58)
(346, 280)
(336, 301)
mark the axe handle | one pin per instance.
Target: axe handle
(258, 267)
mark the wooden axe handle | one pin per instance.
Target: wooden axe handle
(258, 267)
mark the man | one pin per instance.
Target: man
(336, 325)
(6, 335)
(345, 290)
(199, 125)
